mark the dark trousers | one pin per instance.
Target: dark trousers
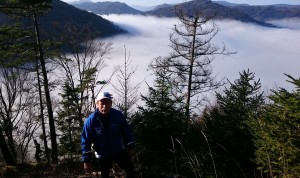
(123, 160)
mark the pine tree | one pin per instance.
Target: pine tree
(125, 89)
(277, 133)
(155, 124)
(30, 10)
(15, 52)
(227, 126)
(68, 124)
(16, 47)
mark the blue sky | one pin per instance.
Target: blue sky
(157, 2)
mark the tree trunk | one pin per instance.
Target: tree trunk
(42, 114)
(5, 150)
(192, 60)
(47, 94)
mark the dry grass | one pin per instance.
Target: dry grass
(44, 170)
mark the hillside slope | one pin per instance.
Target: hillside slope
(208, 8)
(107, 8)
(63, 14)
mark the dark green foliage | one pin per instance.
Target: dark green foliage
(197, 159)
(156, 124)
(36, 1)
(227, 128)
(30, 9)
(23, 8)
(277, 133)
(16, 46)
(69, 124)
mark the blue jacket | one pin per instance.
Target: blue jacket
(109, 140)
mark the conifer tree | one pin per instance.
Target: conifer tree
(15, 50)
(126, 91)
(156, 123)
(227, 126)
(277, 133)
(30, 10)
(68, 124)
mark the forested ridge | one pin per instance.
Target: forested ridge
(244, 132)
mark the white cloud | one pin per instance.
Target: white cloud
(292, 23)
(268, 52)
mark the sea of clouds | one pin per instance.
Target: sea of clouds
(268, 52)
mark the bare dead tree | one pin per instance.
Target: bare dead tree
(14, 97)
(26, 131)
(125, 89)
(192, 55)
(81, 62)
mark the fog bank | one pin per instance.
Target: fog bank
(268, 52)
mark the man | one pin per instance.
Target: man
(110, 134)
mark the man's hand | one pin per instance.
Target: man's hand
(87, 167)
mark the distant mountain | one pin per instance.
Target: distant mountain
(107, 8)
(270, 12)
(286, 5)
(259, 15)
(163, 6)
(225, 3)
(208, 8)
(143, 8)
(266, 12)
(80, 1)
(63, 14)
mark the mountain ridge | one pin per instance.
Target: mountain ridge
(107, 7)
(208, 8)
(56, 20)
(270, 12)
(259, 15)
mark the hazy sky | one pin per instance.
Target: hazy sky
(268, 52)
(157, 2)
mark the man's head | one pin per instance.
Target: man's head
(103, 102)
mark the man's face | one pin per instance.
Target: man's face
(104, 106)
